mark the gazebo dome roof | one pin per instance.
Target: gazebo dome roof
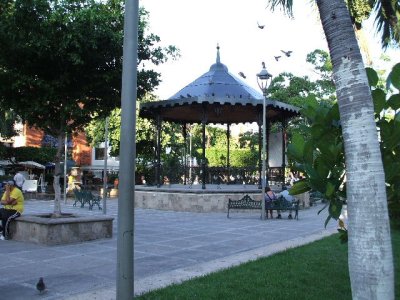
(217, 97)
(218, 83)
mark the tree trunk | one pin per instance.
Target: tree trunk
(364, 47)
(370, 250)
(57, 173)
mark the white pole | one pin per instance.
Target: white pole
(105, 167)
(126, 199)
(263, 177)
(65, 167)
(190, 159)
(262, 80)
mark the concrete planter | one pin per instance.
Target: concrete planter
(70, 228)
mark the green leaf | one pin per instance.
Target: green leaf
(317, 131)
(379, 97)
(327, 220)
(343, 236)
(299, 187)
(334, 112)
(330, 189)
(335, 209)
(309, 112)
(321, 167)
(325, 206)
(308, 152)
(394, 77)
(318, 184)
(373, 78)
(322, 116)
(394, 101)
(296, 147)
(391, 171)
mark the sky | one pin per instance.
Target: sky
(196, 27)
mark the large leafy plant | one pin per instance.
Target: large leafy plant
(317, 150)
(387, 114)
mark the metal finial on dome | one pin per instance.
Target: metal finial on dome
(218, 57)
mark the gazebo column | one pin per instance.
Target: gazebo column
(184, 133)
(259, 123)
(228, 137)
(203, 159)
(268, 129)
(158, 152)
(283, 149)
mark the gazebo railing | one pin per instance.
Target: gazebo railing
(219, 175)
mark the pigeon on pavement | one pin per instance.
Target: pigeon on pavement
(40, 286)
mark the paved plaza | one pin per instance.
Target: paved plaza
(168, 247)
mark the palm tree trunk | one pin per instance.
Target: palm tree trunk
(364, 47)
(370, 250)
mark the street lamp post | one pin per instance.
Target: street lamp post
(65, 166)
(105, 166)
(190, 158)
(262, 80)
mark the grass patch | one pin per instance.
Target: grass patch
(314, 271)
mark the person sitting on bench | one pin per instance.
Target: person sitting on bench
(13, 206)
(269, 197)
(285, 194)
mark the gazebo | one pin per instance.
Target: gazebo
(219, 97)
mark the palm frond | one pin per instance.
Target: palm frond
(285, 5)
(387, 21)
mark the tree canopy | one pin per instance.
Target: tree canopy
(294, 90)
(61, 61)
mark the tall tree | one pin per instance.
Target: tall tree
(8, 118)
(294, 90)
(61, 60)
(370, 249)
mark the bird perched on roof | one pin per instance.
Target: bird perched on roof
(287, 53)
(260, 26)
(242, 75)
(40, 286)
(277, 57)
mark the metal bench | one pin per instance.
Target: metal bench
(86, 196)
(78, 197)
(282, 204)
(245, 203)
(91, 199)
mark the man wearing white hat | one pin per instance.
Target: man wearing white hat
(13, 206)
(19, 180)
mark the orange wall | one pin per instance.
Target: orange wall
(33, 137)
(82, 153)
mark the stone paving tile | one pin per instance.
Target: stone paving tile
(39, 255)
(151, 265)
(164, 241)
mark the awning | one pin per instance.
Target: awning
(31, 164)
(4, 163)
